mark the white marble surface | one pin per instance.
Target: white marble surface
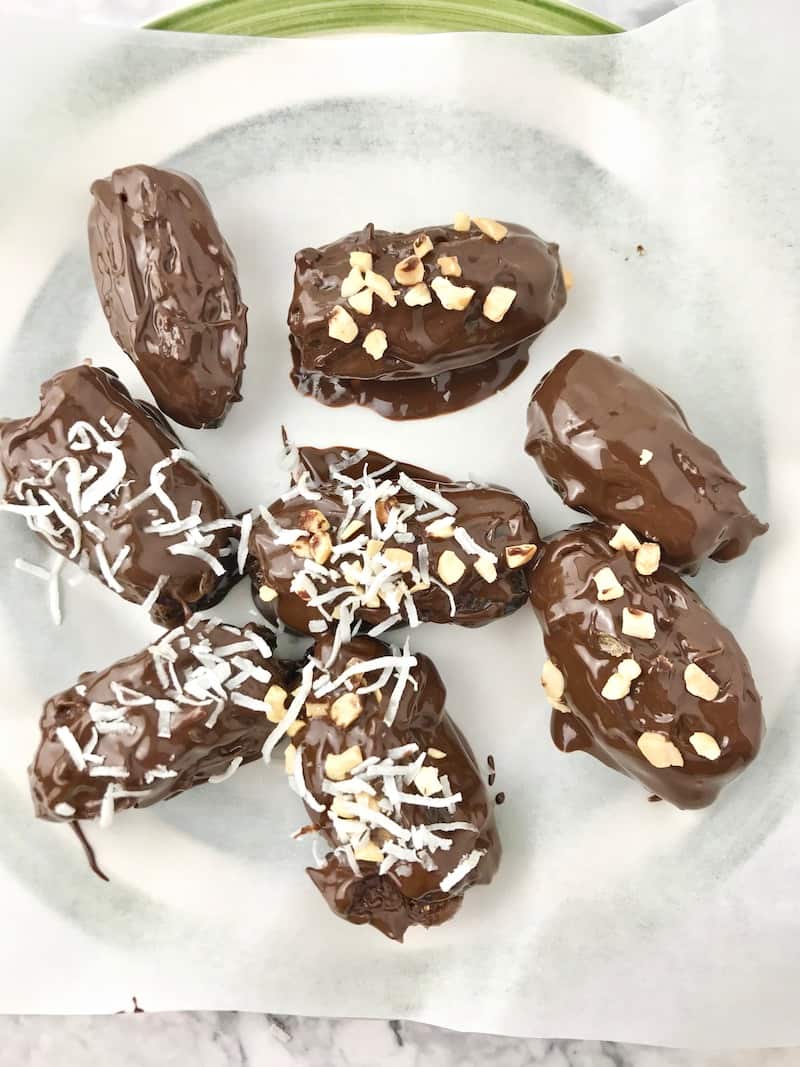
(213, 1039)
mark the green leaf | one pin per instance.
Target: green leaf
(290, 18)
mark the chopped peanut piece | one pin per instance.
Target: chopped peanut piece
(427, 781)
(450, 568)
(552, 681)
(266, 593)
(382, 286)
(625, 539)
(452, 297)
(608, 588)
(436, 753)
(361, 260)
(700, 684)
(441, 529)
(629, 669)
(462, 222)
(705, 745)
(491, 228)
(294, 728)
(341, 325)
(409, 271)
(346, 709)
(361, 302)
(373, 547)
(321, 548)
(648, 558)
(343, 806)
(423, 245)
(486, 569)
(613, 646)
(368, 853)
(638, 623)
(375, 343)
(275, 700)
(617, 687)
(659, 750)
(288, 758)
(418, 295)
(449, 266)
(519, 555)
(352, 527)
(338, 766)
(401, 557)
(314, 521)
(316, 710)
(353, 283)
(644, 457)
(498, 300)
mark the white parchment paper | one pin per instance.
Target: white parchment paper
(610, 917)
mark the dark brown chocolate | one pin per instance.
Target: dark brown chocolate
(466, 564)
(426, 338)
(678, 710)
(619, 449)
(391, 785)
(167, 282)
(190, 709)
(104, 480)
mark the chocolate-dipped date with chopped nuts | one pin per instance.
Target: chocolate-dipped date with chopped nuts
(617, 448)
(190, 709)
(640, 673)
(399, 307)
(103, 479)
(362, 536)
(167, 281)
(405, 822)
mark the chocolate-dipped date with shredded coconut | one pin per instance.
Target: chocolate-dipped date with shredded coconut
(167, 282)
(405, 822)
(360, 536)
(640, 673)
(617, 448)
(187, 710)
(378, 307)
(103, 479)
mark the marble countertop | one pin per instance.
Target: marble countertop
(216, 1039)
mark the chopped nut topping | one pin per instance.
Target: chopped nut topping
(352, 527)
(401, 558)
(294, 728)
(368, 853)
(625, 539)
(409, 271)
(315, 709)
(361, 260)
(613, 646)
(608, 588)
(427, 781)
(519, 555)
(418, 295)
(648, 558)
(337, 767)
(383, 509)
(617, 687)
(342, 806)
(462, 222)
(321, 548)
(314, 521)
(361, 302)
(341, 325)
(486, 569)
(638, 623)
(288, 758)
(644, 457)
(449, 266)
(452, 297)
(382, 286)
(705, 745)
(498, 300)
(373, 547)
(353, 283)
(659, 750)
(423, 245)
(629, 669)
(266, 593)
(450, 568)
(441, 529)
(569, 281)
(552, 681)
(352, 572)
(275, 700)
(371, 802)
(700, 684)
(346, 709)
(436, 753)
(375, 343)
(496, 230)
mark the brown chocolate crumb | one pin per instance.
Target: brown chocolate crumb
(500, 798)
(653, 799)
(641, 250)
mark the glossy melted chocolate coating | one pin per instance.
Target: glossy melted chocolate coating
(167, 282)
(584, 639)
(86, 463)
(589, 420)
(161, 739)
(423, 341)
(494, 518)
(410, 892)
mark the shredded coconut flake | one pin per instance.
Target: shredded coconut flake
(463, 868)
(229, 771)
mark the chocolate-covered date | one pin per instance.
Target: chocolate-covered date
(390, 784)
(167, 281)
(620, 450)
(640, 673)
(103, 480)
